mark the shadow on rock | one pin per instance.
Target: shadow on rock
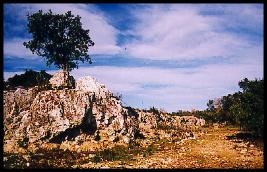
(88, 126)
(69, 134)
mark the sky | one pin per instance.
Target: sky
(170, 56)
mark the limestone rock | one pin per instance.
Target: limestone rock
(90, 84)
(149, 121)
(89, 112)
(59, 79)
(57, 115)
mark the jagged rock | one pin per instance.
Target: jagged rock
(90, 84)
(89, 112)
(149, 121)
(60, 79)
(191, 121)
(57, 115)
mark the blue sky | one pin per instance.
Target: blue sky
(171, 56)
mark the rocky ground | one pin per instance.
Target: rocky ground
(207, 148)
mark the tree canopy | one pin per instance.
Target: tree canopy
(60, 38)
(244, 108)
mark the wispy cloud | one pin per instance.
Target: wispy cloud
(15, 48)
(172, 32)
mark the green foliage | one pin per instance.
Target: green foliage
(14, 161)
(154, 110)
(183, 113)
(29, 79)
(112, 154)
(150, 150)
(60, 38)
(252, 105)
(211, 106)
(245, 108)
(119, 152)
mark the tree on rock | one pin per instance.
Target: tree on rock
(60, 38)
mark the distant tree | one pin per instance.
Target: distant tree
(237, 109)
(211, 106)
(245, 108)
(60, 38)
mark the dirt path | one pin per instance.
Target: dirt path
(210, 150)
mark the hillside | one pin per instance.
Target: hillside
(88, 117)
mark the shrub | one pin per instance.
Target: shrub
(150, 150)
(29, 79)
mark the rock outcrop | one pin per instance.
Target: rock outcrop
(89, 84)
(62, 79)
(88, 113)
(150, 121)
(56, 115)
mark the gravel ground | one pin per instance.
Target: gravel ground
(210, 149)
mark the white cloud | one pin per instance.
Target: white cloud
(15, 48)
(241, 15)
(179, 33)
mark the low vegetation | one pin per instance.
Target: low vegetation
(244, 109)
(28, 79)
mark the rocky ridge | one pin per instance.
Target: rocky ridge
(90, 112)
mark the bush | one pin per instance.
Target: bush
(245, 108)
(29, 79)
(150, 150)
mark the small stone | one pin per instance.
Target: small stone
(243, 151)
(104, 168)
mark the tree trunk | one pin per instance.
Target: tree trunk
(66, 75)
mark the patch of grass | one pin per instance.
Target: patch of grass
(166, 127)
(119, 152)
(232, 128)
(56, 158)
(113, 154)
(150, 150)
(162, 141)
(200, 158)
(135, 148)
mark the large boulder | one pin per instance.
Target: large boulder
(191, 121)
